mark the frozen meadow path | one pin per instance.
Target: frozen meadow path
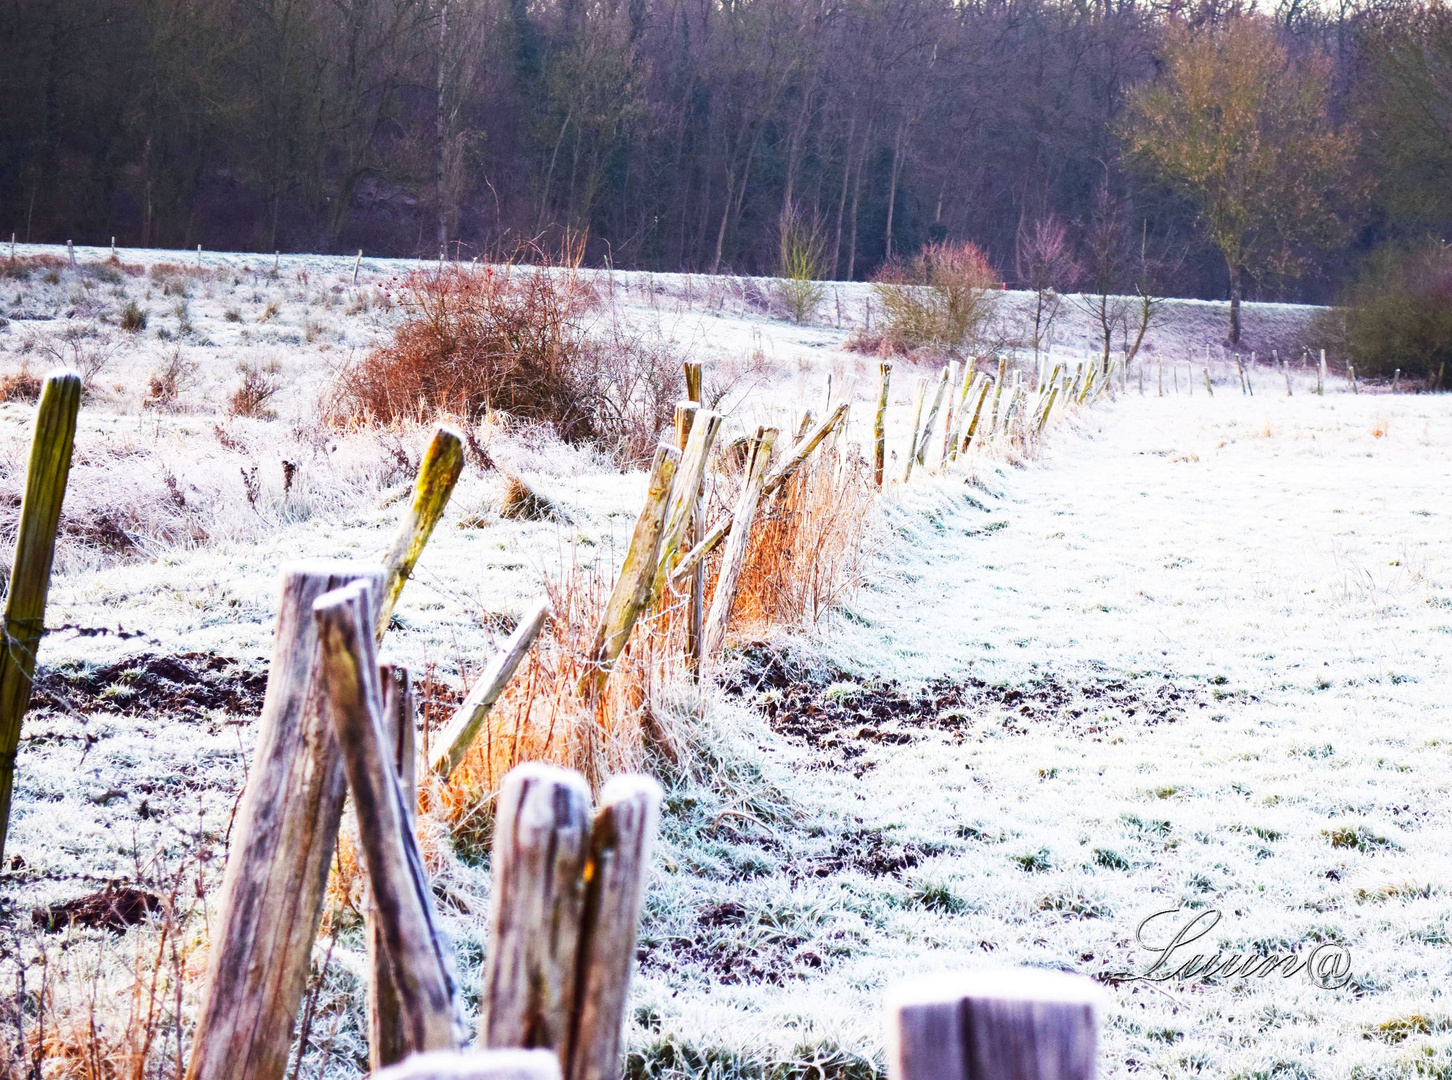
(1210, 639)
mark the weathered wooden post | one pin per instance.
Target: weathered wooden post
(997, 394)
(1208, 389)
(948, 416)
(476, 1065)
(620, 843)
(920, 391)
(637, 575)
(51, 445)
(701, 426)
(356, 263)
(282, 844)
(1018, 1024)
(920, 452)
(387, 1036)
(541, 843)
(438, 472)
(464, 726)
(734, 556)
(418, 959)
(879, 422)
(977, 412)
(971, 380)
(1321, 375)
(1355, 387)
(695, 603)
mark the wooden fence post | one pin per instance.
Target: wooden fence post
(977, 413)
(971, 379)
(541, 842)
(620, 843)
(952, 408)
(1321, 375)
(637, 574)
(695, 610)
(438, 472)
(387, 1037)
(418, 960)
(476, 1065)
(920, 452)
(732, 560)
(282, 845)
(997, 394)
(879, 422)
(1018, 1024)
(51, 444)
(468, 718)
(920, 391)
(685, 492)
(356, 263)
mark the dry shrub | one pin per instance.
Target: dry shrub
(260, 384)
(20, 386)
(21, 268)
(632, 381)
(510, 339)
(941, 298)
(84, 348)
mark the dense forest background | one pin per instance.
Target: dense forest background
(678, 134)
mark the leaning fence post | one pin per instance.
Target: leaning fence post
(476, 1065)
(879, 422)
(1017, 1024)
(282, 845)
(541, 841)
(356, 263)
(702, 426)
(40, 508)
(734, 556)
(387, 1036)
(637, 574)
(469, 717)
(418, 960)
(620, 843)
(920, 391)
(920, 451)
(438, 472)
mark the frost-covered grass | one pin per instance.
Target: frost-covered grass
(1228, 619)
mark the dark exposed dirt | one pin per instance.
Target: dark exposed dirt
(829, 711)
(113, 908)
(189, 685)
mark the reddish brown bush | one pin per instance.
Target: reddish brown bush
(509, 338)
(940, 298)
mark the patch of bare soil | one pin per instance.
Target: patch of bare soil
(188, 685)
(827, 710)
(113, 908)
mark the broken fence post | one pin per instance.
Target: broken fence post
(637, 574)
(620, 843)
(541, 842)
(282, 845)
(1019, 1024)
(734, 557)
(438, 472)
(879, 422)
(387, 1036)
(468, 719)
(51, 445)
(476, 1065)
(418, 960)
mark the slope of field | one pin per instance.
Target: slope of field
(1188, 658)
(1192, 659)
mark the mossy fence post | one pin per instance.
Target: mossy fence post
(695, 604)
(438, 472)
(45, 489)
(879, 422)
(1017, 1024)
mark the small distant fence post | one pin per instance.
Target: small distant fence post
(879, 422)
(1020, 1024)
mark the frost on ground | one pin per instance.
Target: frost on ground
(1188, 658)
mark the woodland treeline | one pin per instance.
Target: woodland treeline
(676, 134)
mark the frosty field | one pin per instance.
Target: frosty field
(1189, 656)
